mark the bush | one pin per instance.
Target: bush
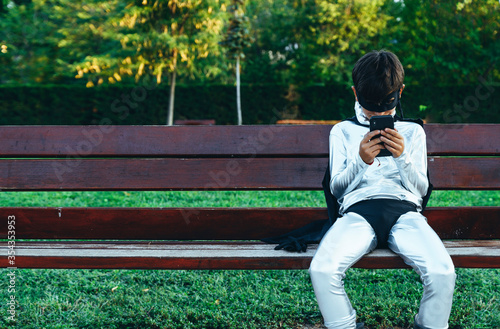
(262, 104)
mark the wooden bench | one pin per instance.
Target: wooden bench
(158, 158)
(307, 122)
(202, 122)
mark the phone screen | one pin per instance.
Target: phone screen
(380, 122)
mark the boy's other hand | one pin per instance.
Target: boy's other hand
(393, 141)
(369, 148)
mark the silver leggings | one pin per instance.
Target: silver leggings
(412, 238)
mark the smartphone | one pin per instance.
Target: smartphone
(380, 122)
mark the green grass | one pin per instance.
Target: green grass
(227, 299)
(216, 199)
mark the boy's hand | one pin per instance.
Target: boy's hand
(369, 149)
(393, 141)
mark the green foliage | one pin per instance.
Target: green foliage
(111, 41)
(146, 39)
(313, 41)
(28, 44)
(344, 31)
(450, 51)
(447, 42)
(301, 42)
(88, 47)
(280, 48)
(440, 43)
(136, 104)
(131, 105)
(238, 35)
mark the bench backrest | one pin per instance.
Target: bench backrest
(271, 157)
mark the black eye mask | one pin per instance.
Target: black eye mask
(386, 104)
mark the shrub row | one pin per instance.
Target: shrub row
(261, 104)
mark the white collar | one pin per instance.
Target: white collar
(362, 118)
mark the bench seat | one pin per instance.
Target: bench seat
(217, 255)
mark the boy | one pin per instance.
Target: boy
(380, 200)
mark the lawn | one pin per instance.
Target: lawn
(228, 299)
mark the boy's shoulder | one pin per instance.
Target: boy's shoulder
(410, 125)
(346, 125)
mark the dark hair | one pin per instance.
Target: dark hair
(377, 74)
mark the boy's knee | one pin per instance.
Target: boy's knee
(321, 271)
(441, 275)
(315, 268)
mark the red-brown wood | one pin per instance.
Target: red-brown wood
(154, 141)
(260, 140)
(161, 174)
(191, 122)
(465, 173)
(226, 264)
(186, 264)
(157, 224)
(476, 262)
(463, 139)
(466, 254)
(465, 222)
(216, 223)
(216, 174)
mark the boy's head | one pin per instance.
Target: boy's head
(378, 80)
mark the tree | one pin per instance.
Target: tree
(278, 28)
(345, 30)
(237, 38)
(28, 43)
(144, 40)
(314, 41)
(299, 42)
(447, 42)
(177, 32)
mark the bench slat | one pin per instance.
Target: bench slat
(462, 139)
(153, 141)
(216, 223)
(137, 255)
(263, 140)
(215, 174)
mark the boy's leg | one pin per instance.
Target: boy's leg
(344, 244)
(420, 247)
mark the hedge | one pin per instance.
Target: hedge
(261, 104)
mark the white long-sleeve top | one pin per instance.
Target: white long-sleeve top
(402, 178)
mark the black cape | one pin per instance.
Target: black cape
(297, 240)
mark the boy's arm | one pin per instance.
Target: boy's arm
(412, 164)
(345, 176)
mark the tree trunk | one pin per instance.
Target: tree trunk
(170, 116)
(170, 119)
(238, 93)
